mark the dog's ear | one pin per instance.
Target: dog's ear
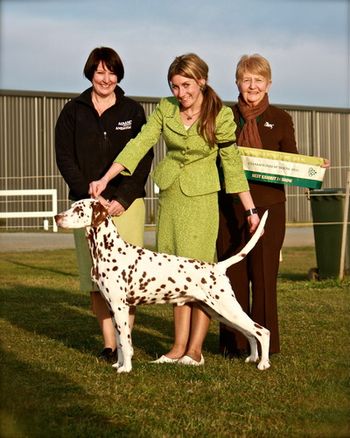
(99, 214)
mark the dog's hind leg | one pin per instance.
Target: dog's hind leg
(263, 335)
(125, 349)
(232, 315)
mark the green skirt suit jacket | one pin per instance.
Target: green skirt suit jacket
(188, 178)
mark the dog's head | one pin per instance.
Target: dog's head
(83, 213)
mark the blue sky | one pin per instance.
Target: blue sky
(45, 43)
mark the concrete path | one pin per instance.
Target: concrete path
(22, 241)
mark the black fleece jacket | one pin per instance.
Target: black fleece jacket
(86, 145)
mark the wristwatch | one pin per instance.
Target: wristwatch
(251, 211)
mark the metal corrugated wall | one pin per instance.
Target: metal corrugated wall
(324, 133)
(27, 158)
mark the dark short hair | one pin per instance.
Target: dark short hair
(108, 57)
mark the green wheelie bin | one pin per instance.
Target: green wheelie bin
(327, 206)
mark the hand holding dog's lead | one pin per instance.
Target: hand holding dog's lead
(97, 187)
(115, 208)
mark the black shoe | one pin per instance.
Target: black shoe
(107, 355)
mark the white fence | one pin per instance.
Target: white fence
(29, 214)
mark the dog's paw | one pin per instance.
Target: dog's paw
(252, 358)
(122, 368)
(263, 365)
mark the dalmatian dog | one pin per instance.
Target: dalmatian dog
(130, 275)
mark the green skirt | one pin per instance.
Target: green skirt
(187, 225)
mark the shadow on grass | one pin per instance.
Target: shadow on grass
(66, 317)
(292, 276)
(43, 268)
(52, 313)
(32, 397)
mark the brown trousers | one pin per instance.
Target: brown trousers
(254, 279)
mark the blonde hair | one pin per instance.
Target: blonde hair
(255, 64)
(192, 66)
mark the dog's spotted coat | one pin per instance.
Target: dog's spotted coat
(129, 275)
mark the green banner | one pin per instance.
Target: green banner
(282, 168)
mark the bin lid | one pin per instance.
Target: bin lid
(337, 191)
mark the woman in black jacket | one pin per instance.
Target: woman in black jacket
(90, 130)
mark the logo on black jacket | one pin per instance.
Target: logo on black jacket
(122, 126)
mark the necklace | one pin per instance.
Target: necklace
(190, 117)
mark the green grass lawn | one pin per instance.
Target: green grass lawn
(53, 386)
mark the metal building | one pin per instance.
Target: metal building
(27, 157)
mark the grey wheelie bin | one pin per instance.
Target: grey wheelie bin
(327, 206)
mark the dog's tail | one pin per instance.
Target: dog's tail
(249, 246)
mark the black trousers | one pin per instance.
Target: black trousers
(254, 279)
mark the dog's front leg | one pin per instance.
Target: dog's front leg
(125, 350)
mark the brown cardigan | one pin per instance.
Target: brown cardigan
(277, 134)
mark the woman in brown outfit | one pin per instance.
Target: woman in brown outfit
(254, 279)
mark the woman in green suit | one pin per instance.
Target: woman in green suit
(197, 128)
